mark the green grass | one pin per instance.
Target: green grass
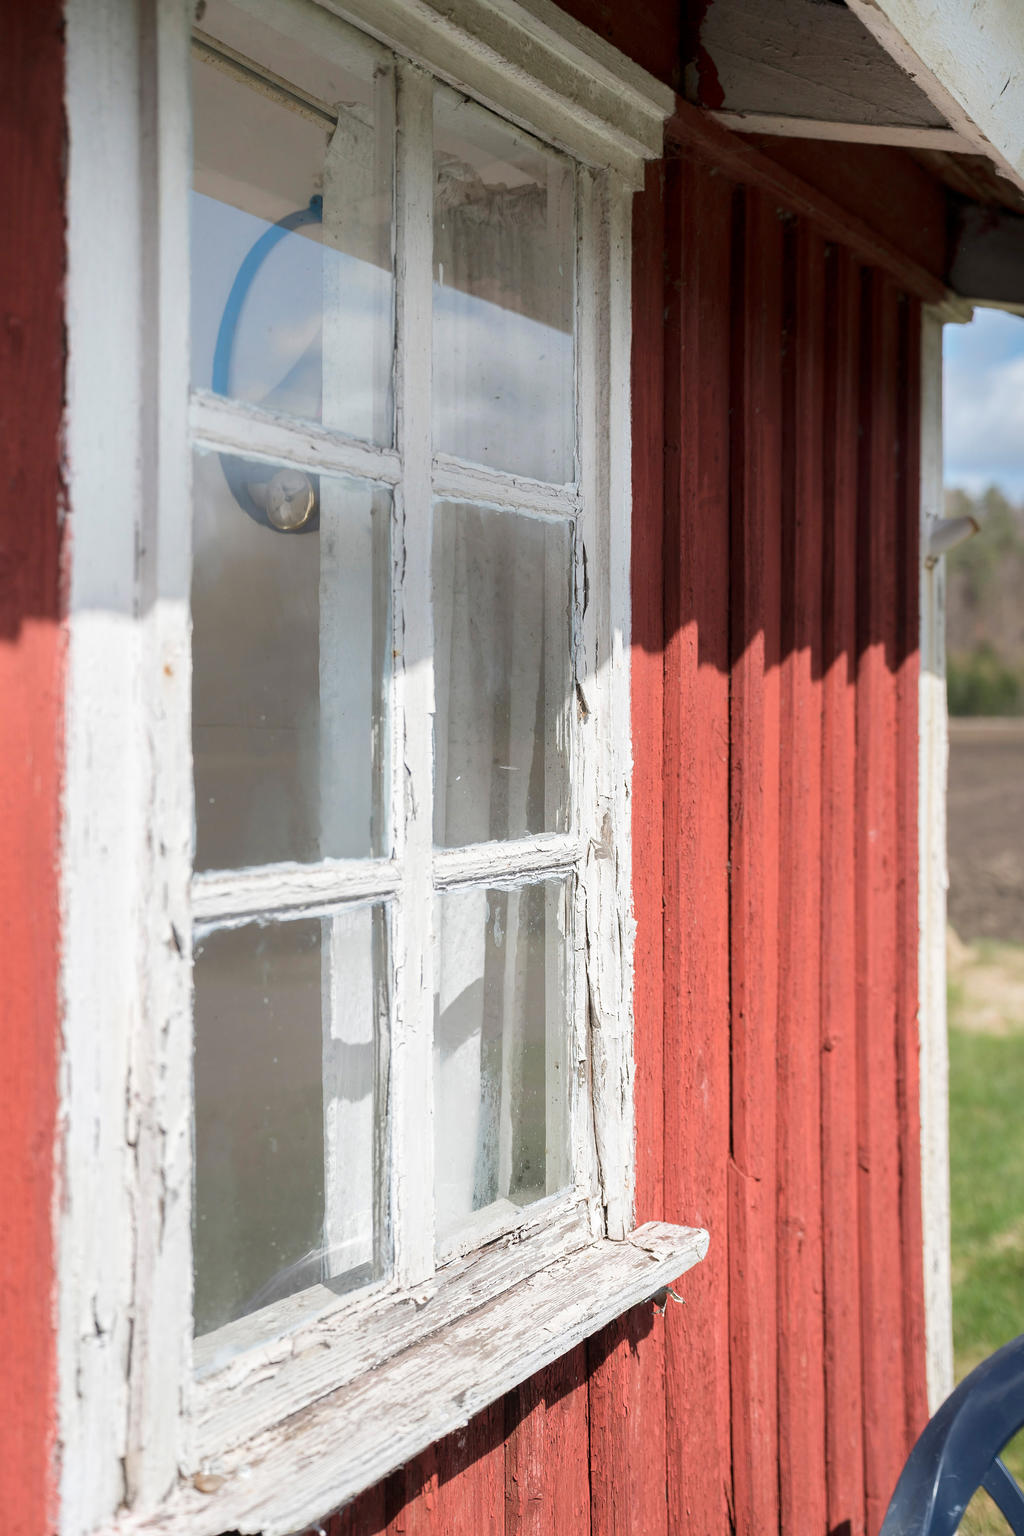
(986, 1135)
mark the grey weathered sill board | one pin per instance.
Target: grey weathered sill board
(321, 1457)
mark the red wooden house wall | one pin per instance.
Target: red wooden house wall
(775, 825)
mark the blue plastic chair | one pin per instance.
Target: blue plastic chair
(958, 1452)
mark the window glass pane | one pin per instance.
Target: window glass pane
(502, 674)
(503, 295)
(501, 1110)
(291, 219)
(289, 1160)
(290, 651)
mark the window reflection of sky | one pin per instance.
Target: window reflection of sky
(503, 387)
(277, 355)
(503, 382)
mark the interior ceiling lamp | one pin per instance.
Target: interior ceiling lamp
(287, 501)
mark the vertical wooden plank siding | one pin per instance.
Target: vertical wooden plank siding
(800, 1327)
(547, 1464)
(32, 150)
(627, 1361)
(877, 920)
(844, 1436)
(907, 858)
(775, 843)
(695, 806)
(456, 1487)
(754, 851)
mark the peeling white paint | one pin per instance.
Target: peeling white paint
(321, 1457)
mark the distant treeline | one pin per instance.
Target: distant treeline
(985, 609)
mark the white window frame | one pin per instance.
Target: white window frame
(367, 1382)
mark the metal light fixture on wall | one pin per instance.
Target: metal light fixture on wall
(943, 534)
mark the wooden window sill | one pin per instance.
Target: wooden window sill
(413, 1392)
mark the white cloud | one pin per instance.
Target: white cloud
(984, 403)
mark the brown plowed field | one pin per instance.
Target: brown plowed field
(986, 829)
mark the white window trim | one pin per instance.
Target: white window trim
(142, 1445)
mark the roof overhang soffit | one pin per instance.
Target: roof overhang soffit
(923, 74)
(967, 56)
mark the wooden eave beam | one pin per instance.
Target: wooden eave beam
(691, 129)
(987, 253)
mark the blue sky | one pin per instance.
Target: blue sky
(983, 393)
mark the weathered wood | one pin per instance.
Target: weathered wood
(699, 209)
(648, 686)
(806, 60)
(801, 1366)
(365, 1516)
(125, 1149)
(627, 1390)
(877, 919)
(906, 863)
(839, 1131)
(547, 1451)
(740, 160)
(455, 1486)
(754, 852)
(421, 1393)
(627, 1434)
(827, 131)
(244, 428)
(957, 56)
(321, 1341)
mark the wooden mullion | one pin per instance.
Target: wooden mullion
(456, 481)
(289, 888)
(412, 1153)
(255, 432)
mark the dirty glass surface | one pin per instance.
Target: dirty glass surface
(288, 1085)
(504, 244)
(501, 587)
(290, 660)
(501, 1111)
(292, 288)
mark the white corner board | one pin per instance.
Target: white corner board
(321, 1457)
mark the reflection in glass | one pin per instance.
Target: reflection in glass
(503, 295)
(290, 652)
(294, 316)
(500, 1040)
(287, 1088)
(502, 674)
